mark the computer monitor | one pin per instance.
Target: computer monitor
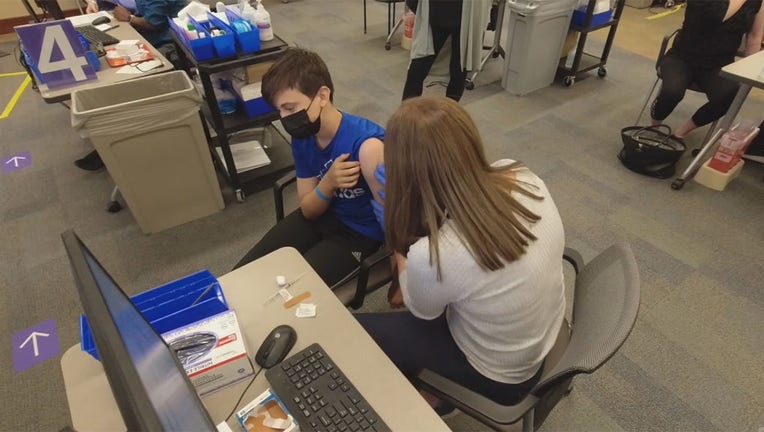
(151, 388)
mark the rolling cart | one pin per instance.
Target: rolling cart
(275, 145)
(584, 62)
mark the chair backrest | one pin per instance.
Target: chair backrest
(664, 48)
(373, 273)
(606, 302)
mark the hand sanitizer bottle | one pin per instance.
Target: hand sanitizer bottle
(263, 20)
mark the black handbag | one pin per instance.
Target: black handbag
(650, 150)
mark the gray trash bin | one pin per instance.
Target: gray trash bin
(150, 137)
(536, 34)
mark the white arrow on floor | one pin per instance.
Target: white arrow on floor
(15, 161)
(33, 337)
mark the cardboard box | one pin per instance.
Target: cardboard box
(266, 414)
(570, 43)
(716, 180)
(255, 72)
(211, 351)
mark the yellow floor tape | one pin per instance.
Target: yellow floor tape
(8, 108)
(676, 9)
(12, 74)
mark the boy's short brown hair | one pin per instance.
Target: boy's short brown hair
(297, 69)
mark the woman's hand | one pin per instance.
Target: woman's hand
(342, 173)
(92, 7)
(121, 13)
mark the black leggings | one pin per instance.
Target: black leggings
(677, 75)
(329, 246)
(420, 67)
(414, 344)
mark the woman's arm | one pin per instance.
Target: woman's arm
(732, 8)
(754, 37)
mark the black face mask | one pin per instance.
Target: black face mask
(298, 124)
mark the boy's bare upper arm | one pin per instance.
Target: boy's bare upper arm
(371, 154)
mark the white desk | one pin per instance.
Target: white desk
(749, 72)
(107, 74)
(246, 289)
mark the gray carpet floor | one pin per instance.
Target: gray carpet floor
(693, 361)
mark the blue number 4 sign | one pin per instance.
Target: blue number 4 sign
(56, 52)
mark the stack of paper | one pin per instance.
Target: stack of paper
(246, 156)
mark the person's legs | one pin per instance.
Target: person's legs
(455, 88)
(332, 260)
(420, 67)
(294, 230)
(339, 252)
(414, 344)
(676, 76)
(720, 92)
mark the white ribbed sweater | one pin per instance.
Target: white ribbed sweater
(504, 321)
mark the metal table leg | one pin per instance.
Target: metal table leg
(710, 146)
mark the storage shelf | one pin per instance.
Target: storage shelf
(238, 120)
(585, 61)
(269, 50)
(588, 62)
(582, 29)
(279, 152)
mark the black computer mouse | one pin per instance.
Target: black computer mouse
(276, 346)
(100, 20)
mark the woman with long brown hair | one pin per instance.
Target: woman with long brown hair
(478, 248)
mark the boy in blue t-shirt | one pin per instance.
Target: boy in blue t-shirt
(335, 155)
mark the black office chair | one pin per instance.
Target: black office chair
(373, 273)
(658, 78)
(50, 9)
(605, 306)
(390, 18)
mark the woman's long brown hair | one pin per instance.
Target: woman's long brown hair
(436, 170)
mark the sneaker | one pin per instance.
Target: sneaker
(91, 162)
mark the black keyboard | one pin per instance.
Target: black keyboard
(319, 395)
(94, 36)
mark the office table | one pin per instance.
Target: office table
(247, 289)
(749, 72)
(107, 74)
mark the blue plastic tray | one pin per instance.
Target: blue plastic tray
(579, 17)
(201, 49)
(170, 306)
(247, 42)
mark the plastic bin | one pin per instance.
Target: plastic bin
(225, 44)
(251, 99)
(201, 49)
(170, 306)
(150, 137)
(246, 42)
(536, 34)
(579, 17)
